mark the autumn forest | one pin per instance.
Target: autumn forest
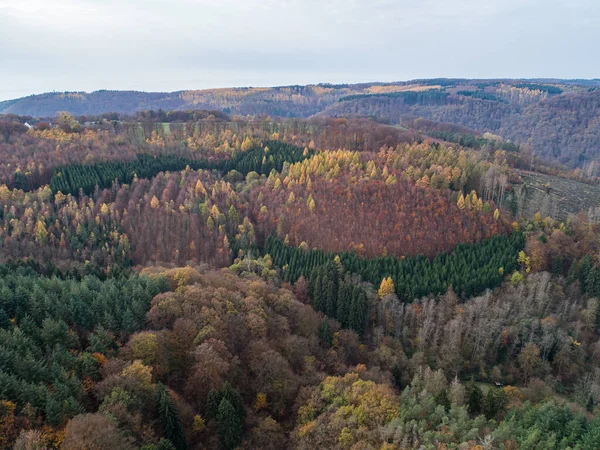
(371, 266)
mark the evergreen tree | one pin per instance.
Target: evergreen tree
(474, 398)
(495, 402)
(4, 319)
(442, 399)
(212, 403)
(325, 336)
(397, 377)
(229, 425)
(169, 418)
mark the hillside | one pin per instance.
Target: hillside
(554, 196)
(195, 280)
(558, 119)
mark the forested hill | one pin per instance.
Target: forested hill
(558, 119)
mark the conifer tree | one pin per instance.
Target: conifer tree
(169, 418)
(474, 398)
(229, 425)
(397, 376)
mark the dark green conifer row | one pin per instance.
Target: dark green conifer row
(71, 179)
(470, 268)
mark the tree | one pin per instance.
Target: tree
(442, 399)
(461, 201)
(529, 360)
(474, 398)
(495, 402)
(397, 377)
(31, 440)
(325, 335)
(94, 432)
(169, 418)
(386, 287)
(229, 425)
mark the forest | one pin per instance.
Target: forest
(555, 119)
(197, 279)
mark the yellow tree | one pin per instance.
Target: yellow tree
(386, 287)
(461, 201)
(311, 203)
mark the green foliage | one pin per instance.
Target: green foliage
(229, 425)
(169, 418)
(481, 95)
(325, 335)
(546, 425)
(227, 408)
(432, 97)
(469, 269)
(442, 399)
(338, 297)
(71, 179)
(495, 402)
(42, 361)
(474, 398)
(397, 377)
(540, 87)
(163, 444)
(472, 141)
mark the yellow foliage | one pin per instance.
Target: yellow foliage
(200, 190)
(311, 203)
(154, 203)
(138, 371)
(199, 425)
(461, 201)
(386, 287)
(144, 347)
(525, 261)
(260, 402)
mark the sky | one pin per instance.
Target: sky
(170, 45)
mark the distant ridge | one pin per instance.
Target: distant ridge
(558, 119)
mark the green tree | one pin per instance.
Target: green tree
(474, 398)
(229, 425)
(397, 377)
(169, 418)
(325, 335)
(495, 402)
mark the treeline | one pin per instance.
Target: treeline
(555, 90)
(470, 269)
(72, 179)
(481, 95)
(431, 97)
(472, 141)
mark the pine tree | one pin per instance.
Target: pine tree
(474, 398)
(442, 399)
(234, 397)
(169, 418)
(495, 402)
(212, 403)
(325, 336)
(229, 426)
(397, 376)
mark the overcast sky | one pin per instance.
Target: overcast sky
(168, 45)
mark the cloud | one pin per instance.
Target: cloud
(179, 44)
